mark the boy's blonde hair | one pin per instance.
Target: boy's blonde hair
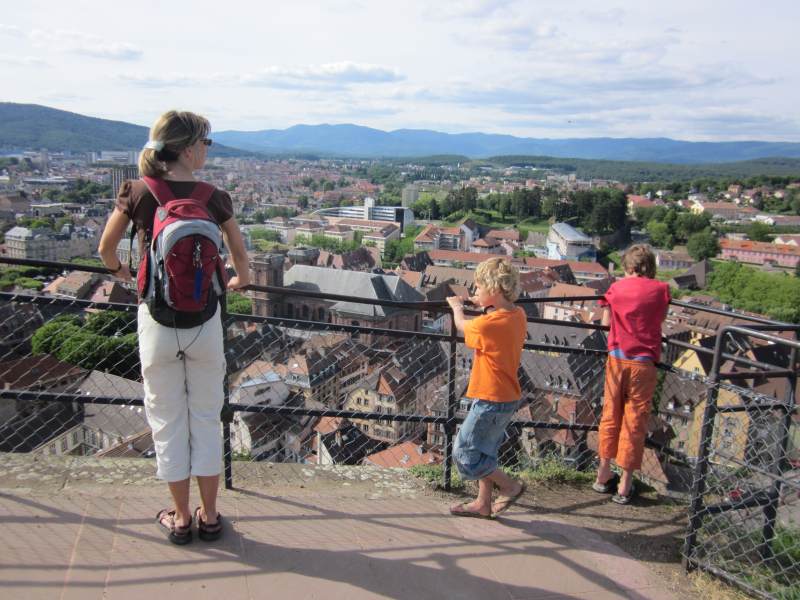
(178, 130)
(499, 275)
(640, 259)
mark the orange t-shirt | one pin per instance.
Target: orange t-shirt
(497, 339)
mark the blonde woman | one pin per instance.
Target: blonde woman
(183, 366)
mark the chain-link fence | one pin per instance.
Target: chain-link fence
(745, 502)
(331, 380)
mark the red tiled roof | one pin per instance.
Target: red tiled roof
(640, 201)
(425, 234)
(407, 454)
(765, 247)
(566, 289)
(451, 230)
(458, 256)
(328, 424)
(578, 266)
(504, 234)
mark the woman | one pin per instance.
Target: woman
(183, 369)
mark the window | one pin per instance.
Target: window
(64, 444)
(75, 438)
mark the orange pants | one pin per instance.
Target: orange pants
(626, 409)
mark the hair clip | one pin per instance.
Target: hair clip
(156, 145)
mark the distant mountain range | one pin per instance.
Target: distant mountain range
(29, 126)
(355, 140)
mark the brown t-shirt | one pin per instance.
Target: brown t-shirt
(136, 201)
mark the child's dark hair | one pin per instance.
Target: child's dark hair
(640, 259)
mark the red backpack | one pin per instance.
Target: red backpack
(182, 275)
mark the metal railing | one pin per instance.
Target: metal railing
(328, 391)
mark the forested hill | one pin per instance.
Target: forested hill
(33, 127)
(630, 171)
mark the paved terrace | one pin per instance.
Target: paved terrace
(83, 528)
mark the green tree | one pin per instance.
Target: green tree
(759, 232)
(111, 323)
(238, 303)
(660, 235)
(746, 288)
(269, 235)
(688, 223)
(28, 283)
(703, 244)
(71, 341)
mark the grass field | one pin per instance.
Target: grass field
(493, 220)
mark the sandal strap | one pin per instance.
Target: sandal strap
(178, 530)
(204, 526)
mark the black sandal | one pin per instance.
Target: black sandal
(625, 499)
(206, 532)
(175, 534)
(608, 487)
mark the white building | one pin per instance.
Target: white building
(564, 242)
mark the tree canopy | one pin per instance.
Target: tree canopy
(746, 288)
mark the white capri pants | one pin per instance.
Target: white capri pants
(183, 406)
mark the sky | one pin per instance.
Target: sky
(702, 70)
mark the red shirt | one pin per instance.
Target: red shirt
(638, 306)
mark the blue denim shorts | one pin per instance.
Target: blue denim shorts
(478, 440)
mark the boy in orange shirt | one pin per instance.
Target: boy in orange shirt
(497, 339)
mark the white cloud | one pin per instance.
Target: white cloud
(468, 9)
(330, 74)
(76, 42)
(23, 61)
(326, 76)
(11, 31)
(519, 67)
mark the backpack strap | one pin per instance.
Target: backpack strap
(202, 192)
(160, 190)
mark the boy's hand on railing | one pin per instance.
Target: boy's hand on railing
(456, 302)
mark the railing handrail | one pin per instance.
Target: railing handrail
(431, 306)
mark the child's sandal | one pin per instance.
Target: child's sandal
(608, 487)
(625, 499)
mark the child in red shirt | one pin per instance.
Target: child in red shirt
(635, 306)
(497, 339)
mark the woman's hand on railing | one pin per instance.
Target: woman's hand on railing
(124, 273)
(236, 282)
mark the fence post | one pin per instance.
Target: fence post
(449, 427)
(779, 465)
(226, 416)
(701, 467)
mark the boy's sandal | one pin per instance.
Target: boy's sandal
(608, 487)
(625, 498)
(506, 502)
(460, 510)
(175, 534)
(206, 532)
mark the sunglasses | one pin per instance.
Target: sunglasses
(207, 141)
